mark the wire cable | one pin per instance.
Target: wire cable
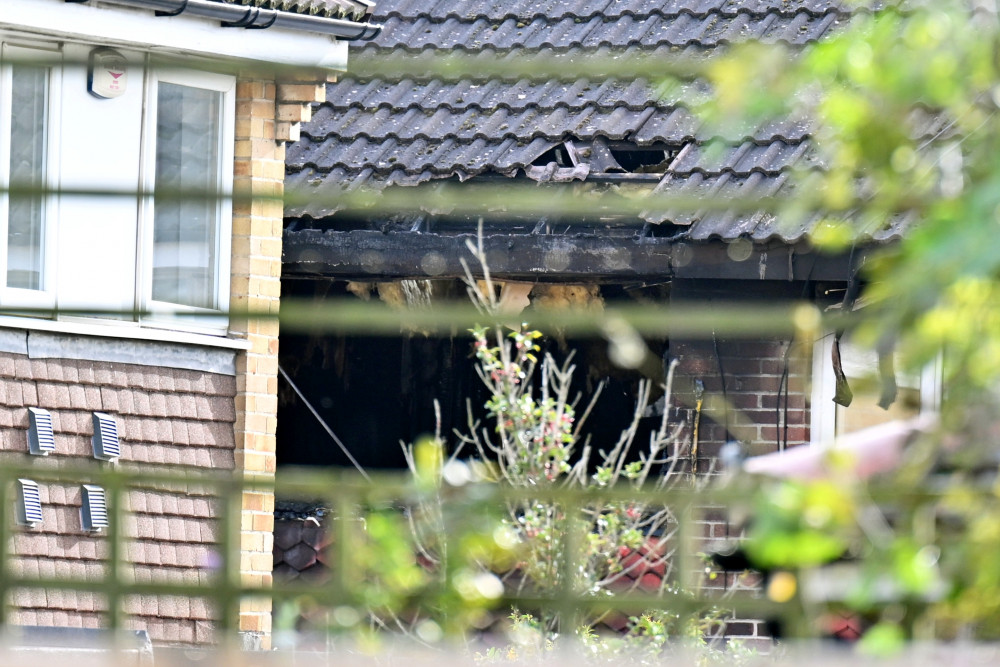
(322, 423)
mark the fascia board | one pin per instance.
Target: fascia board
(183, 35)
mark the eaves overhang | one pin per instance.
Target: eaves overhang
(291, 40)
(242, 16)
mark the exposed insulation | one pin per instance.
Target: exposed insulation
(563, 297)
(361, 290)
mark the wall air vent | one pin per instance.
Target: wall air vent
(29, 503)
(41, 439)
(106, 444)
(94, 510)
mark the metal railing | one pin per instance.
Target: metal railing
(357, 567)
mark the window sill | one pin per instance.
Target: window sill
(124, 330)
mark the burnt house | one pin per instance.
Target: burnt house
(565, 137)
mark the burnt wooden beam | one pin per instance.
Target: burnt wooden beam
(373, 255)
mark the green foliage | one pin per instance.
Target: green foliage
(800, 525)
(905, 104)
(562, 552)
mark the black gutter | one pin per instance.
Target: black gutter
(241, 16)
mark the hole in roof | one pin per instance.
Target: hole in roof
(645, 160)
(555, 154)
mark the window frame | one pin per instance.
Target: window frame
(50, 56)
(823, 411)
(162, 314)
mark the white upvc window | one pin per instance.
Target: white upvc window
(916, 393)
(169, 134)
(186, 225)
(30, 104)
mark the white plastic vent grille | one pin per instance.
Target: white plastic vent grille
(106, 444)
(29, 506)
(41, 439)
(94, 510)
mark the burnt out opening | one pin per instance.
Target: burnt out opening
(377, 391)
(653, 159)
(557, 154)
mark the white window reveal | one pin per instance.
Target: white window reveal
(869, 391)
(29, 503)
(190, 221)
(29, 113)
(93, 508)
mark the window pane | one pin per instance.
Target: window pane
(185, 219)
(27, 170)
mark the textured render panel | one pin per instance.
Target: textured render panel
(13, 341)
(42, 345)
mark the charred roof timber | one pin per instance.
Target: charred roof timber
(369, 254)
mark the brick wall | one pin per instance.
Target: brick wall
(761, 381)
(267, 115)
(167, 418)
(756, 391)
(257, 220)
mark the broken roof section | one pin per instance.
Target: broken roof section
(379, 133)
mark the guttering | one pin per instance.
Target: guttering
(239, 16)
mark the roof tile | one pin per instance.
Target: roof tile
(93, 397)
(120, 378)
(170, 504)
(151, 379)
(10, 417)
(22, 368)
(70, 372)
(180, 432)
(183, 380)
(220, 434)
(78, 398)
(39, 369)
(383, 132)
(154, 503)
(142, 403)
(102, 373)
(29, 395)
(199, 457)
(217, 384)
(85, 369)
(126, 402)
(54, 370)
(109, 400)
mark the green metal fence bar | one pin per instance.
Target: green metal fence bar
(229, 584)
(114, 586)
(6, 576)
(351, 498)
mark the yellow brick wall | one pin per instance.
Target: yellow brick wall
(257, 215)
(267, 116)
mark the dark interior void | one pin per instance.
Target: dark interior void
(376, 391)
